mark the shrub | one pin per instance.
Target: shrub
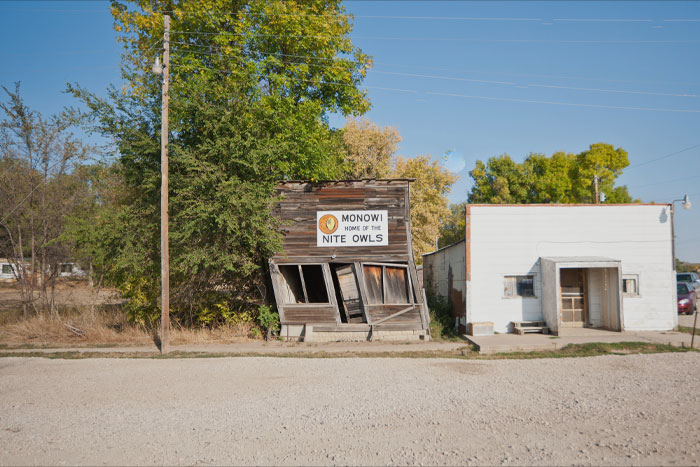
(268, 319)
(442, 324)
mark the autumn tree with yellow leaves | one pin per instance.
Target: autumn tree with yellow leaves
(371, 153)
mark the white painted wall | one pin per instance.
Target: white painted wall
(509, 240)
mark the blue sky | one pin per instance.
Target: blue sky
(476, 78)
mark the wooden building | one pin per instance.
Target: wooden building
(346, 270)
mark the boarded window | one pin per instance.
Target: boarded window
(387, 284)
(303, 284)
(7, 269)
(396, 285)
(373, 280)
(519, 286)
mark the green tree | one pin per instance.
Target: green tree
(561, 178)
(370, 152)
(453, 228)
(252, 84)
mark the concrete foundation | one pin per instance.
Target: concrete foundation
(306, 333)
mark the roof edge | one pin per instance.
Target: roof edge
(480, 205)
(281, 182)
(445, 247)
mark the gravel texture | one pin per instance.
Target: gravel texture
(612, 410)
(688, 320)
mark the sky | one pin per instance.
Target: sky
(466, 79)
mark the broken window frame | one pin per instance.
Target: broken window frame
(306, 302)
(409, 283)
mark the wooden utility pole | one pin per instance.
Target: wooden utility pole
(164, 250)
(595, 183)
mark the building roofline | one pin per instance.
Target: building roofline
(282, 182)
(445, 247)
(564, 204)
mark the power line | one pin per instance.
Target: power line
(450, 78)
(603, 20)
(316, 83)
(663, 157)
(569, 104)
(666, 181)
(452, 70)
(536, 75)
(401, 17)
(649, 93)
(446, 39)
(503, 99)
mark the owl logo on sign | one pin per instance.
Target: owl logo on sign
(328, 224)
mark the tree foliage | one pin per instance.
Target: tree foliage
(369, 149)
(561, 178)
(252, 83)
(453, 227)
(370, 152)
(37, 188)
(428, 199)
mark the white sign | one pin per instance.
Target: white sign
(352, 228)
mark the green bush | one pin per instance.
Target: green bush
(442, 323)
(268, 319)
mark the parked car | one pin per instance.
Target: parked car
(689, 278)
(687, 298)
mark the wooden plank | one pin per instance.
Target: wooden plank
(424, 314)
(277, 288)
(360, 273)
(398, 313)
(331, 291)
(366, 327)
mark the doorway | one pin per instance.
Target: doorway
(347, 289)
(573, 297)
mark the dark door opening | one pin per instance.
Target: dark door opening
(347, 293)
(573, 297)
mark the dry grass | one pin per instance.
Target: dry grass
(105, 327)
(102, 328)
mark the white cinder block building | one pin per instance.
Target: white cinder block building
(601, 266)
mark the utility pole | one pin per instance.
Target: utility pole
(164, 249)
(595, 183)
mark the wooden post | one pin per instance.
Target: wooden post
(595, 183)
(164, 251)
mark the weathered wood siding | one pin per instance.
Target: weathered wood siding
(299, 203)
(301, 314)
(297, 207)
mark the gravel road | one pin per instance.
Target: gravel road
(612, 410)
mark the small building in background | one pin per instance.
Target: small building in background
(569, 266)
(346, 270)
(7, 271)
(70, 270)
